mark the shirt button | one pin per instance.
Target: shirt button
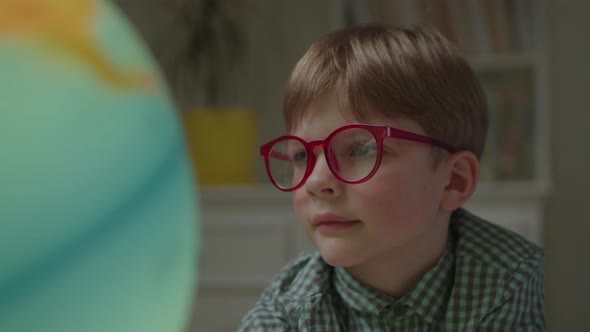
(399, 310)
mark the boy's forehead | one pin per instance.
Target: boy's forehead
(331, 104)
(323, 113)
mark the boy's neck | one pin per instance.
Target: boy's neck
(399, 272)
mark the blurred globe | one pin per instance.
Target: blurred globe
(98, 207)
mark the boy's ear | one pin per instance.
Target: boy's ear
(463, 168)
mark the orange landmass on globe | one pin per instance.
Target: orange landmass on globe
(66, 24)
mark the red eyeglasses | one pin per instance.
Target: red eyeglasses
(353, 154)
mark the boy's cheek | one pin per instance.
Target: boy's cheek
(299, 206)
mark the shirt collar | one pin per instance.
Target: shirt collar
(431, 295)
(428, 298)
(359, 296)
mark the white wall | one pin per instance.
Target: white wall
(567, 227)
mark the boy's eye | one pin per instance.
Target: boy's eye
(362, 149)
(299, 157)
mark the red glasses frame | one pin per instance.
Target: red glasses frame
(379, 132)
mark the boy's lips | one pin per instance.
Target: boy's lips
(329, 222)
(328, 217)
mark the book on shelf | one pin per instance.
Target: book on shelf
(498, 24)
(476, 26)
(510, 142)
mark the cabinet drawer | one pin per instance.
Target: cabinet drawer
(221, 312)
(236, 254)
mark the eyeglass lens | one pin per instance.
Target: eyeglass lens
(352, 155)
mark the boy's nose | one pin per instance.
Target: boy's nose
(321, 181)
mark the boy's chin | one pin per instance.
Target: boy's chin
(339, 258)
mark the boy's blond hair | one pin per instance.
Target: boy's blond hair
(414, 73)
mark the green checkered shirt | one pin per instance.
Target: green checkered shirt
(488, 279)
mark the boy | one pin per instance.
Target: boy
(386, 130)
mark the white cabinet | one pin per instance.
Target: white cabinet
(247, 235)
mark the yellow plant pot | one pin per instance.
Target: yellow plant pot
(223, 144)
